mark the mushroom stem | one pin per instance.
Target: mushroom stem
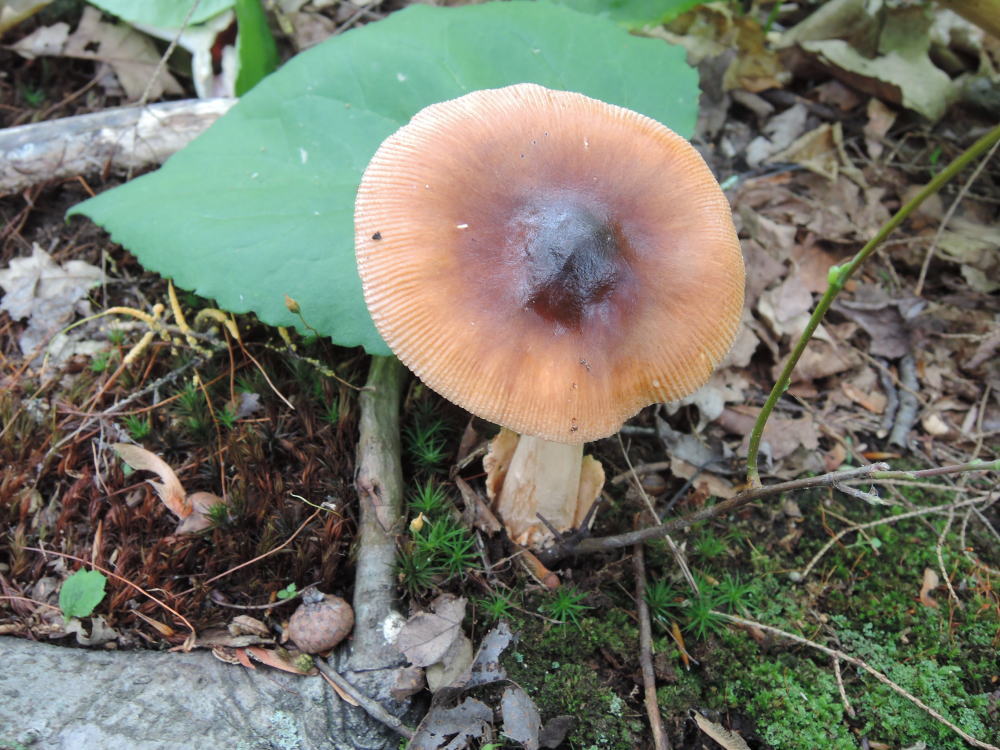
(542, 478)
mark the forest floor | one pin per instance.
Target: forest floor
(904, 370)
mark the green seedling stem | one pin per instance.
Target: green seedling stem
(839, 275)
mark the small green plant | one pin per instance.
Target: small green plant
(252, 382)
(734, 594)
(288, 592)
(426, 437)
(138, 428)
(81, 593)
(496, 606)
(709, 545)
(566, 606)
(331, 414)
(661, 598)
(417, 571)
(451, 546)
(100, 361)
(116, 336)
(190, 406)
(426, 445)
(701, 619)
(218, 514)
(32, 97)
(226, 416)
(429, 499)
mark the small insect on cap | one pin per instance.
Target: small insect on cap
(547, 261)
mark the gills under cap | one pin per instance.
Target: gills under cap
(547, 261)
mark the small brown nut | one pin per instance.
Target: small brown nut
(321, 621)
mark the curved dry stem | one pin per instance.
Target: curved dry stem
(839, 275)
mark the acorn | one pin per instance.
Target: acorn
(320, 622)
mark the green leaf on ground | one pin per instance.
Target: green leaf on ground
(80, 593)
(255, 45)
(261, 205)
(633, 14)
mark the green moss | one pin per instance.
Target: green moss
(560, 668)
(795, 706)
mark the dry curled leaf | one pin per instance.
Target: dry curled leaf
(171, 492)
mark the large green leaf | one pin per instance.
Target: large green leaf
(261, 205)
(633, 14)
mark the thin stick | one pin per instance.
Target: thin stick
(837, 654)
(848, 709)
(660, 739)
(117, 577)
(839, 275)
(675, 551)
(938, 549)
(873, 472)
(372, 708)
(260, 557)
(919, 288)
(798, 577)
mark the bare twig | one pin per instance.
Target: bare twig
(938, 548)
(837, 654)
(675, 551)
(797, 577)
(117, 577)
(126, 137)
(372, 708)
(875, 472)
(848, 709)
(919, 288)
(660, 739)
(262, 556)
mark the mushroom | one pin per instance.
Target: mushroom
(551, 263)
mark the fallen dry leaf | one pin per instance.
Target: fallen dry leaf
(452, 728)
(131, 55)
(171, 492)
(728, 740)
(283, 660)
(427, 637)
(100, 631)
(521, 720)
(880, 119)
(455, 662)
(46, 293)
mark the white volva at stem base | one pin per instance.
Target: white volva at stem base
(539, 477)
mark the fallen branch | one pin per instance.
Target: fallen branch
(372, 708)
(872, 473)
(126, 138)
(840, 655)
(660, 739)
(798, 577)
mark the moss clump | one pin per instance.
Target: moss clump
(561, 669)
(794, 706)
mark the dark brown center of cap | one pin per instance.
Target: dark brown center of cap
(572, 258)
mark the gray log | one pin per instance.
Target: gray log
(127, 138)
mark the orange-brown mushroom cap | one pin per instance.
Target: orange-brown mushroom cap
(547, 261)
